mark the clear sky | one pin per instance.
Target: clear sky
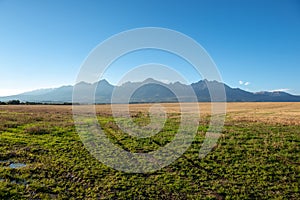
(254, 43)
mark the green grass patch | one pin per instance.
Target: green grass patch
(250, 161)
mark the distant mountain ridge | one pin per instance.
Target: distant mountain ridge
(150, 90)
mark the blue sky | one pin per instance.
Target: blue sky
(255, 44)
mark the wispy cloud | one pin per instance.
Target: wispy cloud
(244, 83)
(281, 90)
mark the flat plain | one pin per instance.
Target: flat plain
(257, 157)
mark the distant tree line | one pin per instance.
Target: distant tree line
(11, 102)
(18, 102)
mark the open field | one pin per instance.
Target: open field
(257, 156)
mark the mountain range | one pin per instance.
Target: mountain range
(150, 90)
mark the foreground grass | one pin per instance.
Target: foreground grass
(253, 160)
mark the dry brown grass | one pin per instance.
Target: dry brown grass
(265, 112)
(270, 113)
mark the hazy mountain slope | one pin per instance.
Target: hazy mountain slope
(150, 90)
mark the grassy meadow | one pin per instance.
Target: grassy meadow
(257, 156)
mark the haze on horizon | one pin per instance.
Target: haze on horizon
(255, 44)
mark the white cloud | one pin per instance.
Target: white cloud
(281, 90)
(244, 83)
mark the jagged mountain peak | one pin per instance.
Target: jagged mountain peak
(151, 90)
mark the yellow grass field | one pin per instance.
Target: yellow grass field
(257, 156)
(266, 112)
